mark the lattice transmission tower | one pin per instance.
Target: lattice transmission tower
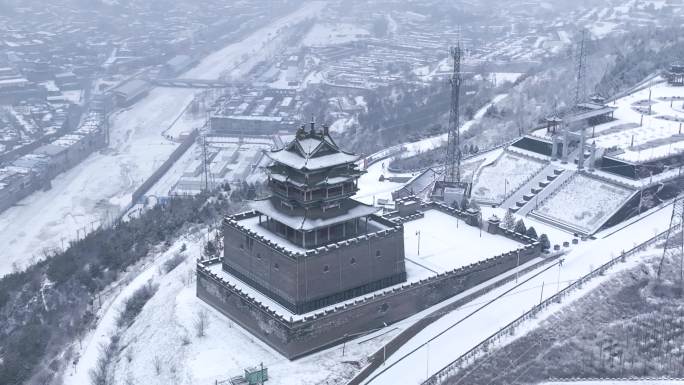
(581, 67)
(452, 166)
(674, 244)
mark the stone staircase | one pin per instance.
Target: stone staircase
(537, 189)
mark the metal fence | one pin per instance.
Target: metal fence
(472, 354)
(378, 358)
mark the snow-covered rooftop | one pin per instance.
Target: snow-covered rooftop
(298, 219)
(299, 162)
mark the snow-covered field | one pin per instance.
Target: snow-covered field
(499, 78)
(471, 329)
(89, 351)
(371, 189)
(505, 175)
(617, 382)
(657, 137)
(447, 243)
(584, 202)
(96, 191)
(327, 34)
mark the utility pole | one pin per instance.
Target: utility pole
(452, 166)
(205, 163)
(649, 102)
(674, 244)
(418, 234)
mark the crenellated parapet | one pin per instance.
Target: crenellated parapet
(233, 221)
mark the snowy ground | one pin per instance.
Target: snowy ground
(584, 202)
(100, 187)
(617, 382)
(435, 141)
(106, 326)
(231, 160)
(447, 243)
(556, 236)
(328, 34)
(499, 78)
(501, 178)
(471, 330)
(371, 190)
(657, 137)
(165, 331)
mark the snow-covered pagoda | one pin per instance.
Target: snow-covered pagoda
(310, 245)
(312, 182)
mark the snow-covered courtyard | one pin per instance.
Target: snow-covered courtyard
(502, 177)
(441, 242)
(584, 203)
(659, 135)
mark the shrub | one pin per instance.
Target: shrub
(520, 227)
(545, 243)
(173, 262)
(135, 303)
(509, 221)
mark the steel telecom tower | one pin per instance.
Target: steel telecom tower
(674, 244)
(206, 173)
(452, 166)
(581, 60)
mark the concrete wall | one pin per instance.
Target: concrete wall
(225, 125)
(307, 281)
(296, 338)
(140, 192)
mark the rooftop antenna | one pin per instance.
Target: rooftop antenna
(452, 166)
(581, 59)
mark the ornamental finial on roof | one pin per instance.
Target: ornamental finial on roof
(313, 123)
(301, 131)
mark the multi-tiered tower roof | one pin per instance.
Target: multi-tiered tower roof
(312, 181)
(310, 245)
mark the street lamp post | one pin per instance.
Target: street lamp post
(517, 265)
(418, 234)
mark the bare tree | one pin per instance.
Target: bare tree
(99, 374)
(201, 322)
(157, 365)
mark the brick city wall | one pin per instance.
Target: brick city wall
(296, 338)
(305, 281)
